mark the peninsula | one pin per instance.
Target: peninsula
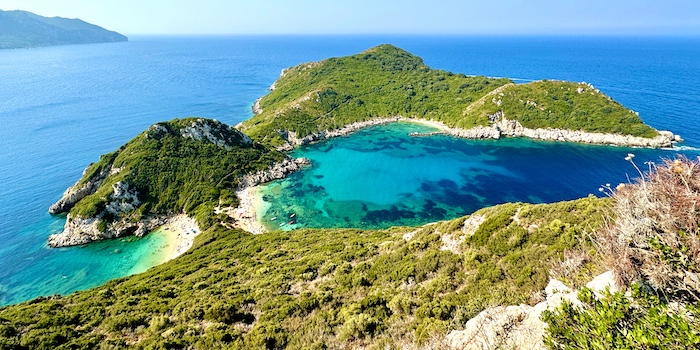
(22, 29)
(316, 100)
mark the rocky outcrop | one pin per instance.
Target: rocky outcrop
(124, 199)
(214, 132)
(79, 191)
(520, 326)
(257, 109)
(79, 231)
(503, 127)
(278, 171)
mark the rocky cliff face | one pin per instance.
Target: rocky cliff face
(79, 231)
(124, 199)
(77, 192)
(219, 134)
(503, 127)
(519, 326)
(277, 171)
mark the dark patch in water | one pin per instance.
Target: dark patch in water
(383, 216)
(318, 176)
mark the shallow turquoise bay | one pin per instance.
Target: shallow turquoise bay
(381, 177)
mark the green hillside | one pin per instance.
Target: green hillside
(21, 29)
(313, 289)
(187, 165)
(386, 81)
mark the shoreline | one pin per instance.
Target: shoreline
(180, 231)
(247, 214)
(503, 127)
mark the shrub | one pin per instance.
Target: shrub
(654, 237)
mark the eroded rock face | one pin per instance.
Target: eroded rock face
(520, 326)
(77, 192)
(79, 231)
(511, 128)
(219, 134)
(278, 171)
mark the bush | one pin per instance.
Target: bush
(654, 237)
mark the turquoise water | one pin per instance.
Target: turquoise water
(62, 107)
(381, 177)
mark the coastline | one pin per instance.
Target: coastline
(503, 127)
(249, 211)
(180, 231)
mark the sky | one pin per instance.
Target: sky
(450, 17)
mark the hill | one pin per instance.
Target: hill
(21, 29)
(315, 289)
(315, 99)
(188, 165)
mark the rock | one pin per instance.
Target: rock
(256, 107)
(79, 231)
(278, 171)
(602, 282)
(214, 132)
(519, 327)
(77, 192)
(472, 223)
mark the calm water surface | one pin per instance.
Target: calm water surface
(62, 107)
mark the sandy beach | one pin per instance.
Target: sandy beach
(182, 230)
(245, 215)
(431, 123)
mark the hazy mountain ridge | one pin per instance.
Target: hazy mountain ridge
(22, 29)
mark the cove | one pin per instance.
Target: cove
(381, 176)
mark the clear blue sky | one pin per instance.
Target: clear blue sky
(490, 17)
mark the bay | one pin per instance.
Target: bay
(62, 107)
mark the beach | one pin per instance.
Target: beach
(181, 231)
(245, 215)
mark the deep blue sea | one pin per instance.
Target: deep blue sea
(62, 107)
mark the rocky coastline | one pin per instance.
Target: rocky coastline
(500, 127)
(245, 214)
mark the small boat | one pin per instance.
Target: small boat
(273, 219)
(282, 224)
(293, 215)
(291, 222)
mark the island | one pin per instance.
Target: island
(22, 29)
(513, 275)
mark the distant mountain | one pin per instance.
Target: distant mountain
(21, 29)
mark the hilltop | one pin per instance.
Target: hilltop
(22, 29)
(314, 100)
(181, 166)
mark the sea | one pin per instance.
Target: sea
(62, 107)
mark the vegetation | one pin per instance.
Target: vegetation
(174, 174)
(561, 105)
(313, 289)
(386, 81)
(653, 247)
(19, 29)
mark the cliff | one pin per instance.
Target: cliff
(323, 99)
(21, 29)
(181, 166)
